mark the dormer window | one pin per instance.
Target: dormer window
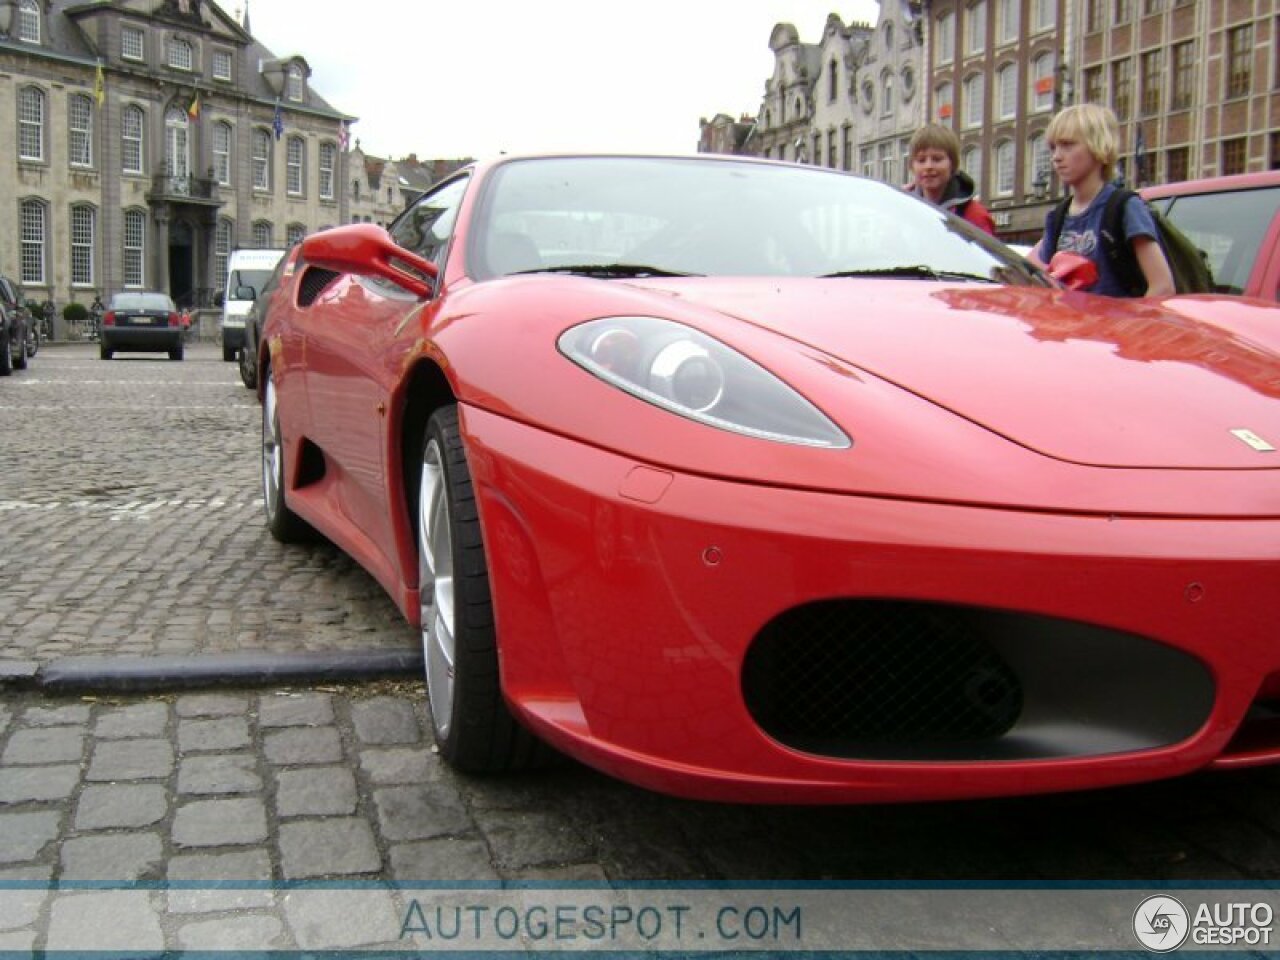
(28, 21)
(221, 65)
(181, 56)
(293, 83)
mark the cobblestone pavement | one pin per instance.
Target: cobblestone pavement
(128, 524)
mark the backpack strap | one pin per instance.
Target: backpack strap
(1116, 245)
(1053, 230)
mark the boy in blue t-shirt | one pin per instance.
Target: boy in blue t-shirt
(1083, 140)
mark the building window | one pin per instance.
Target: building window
(355, 190)
(131, 126)
(943, 98)
(1124, 11)
(946, 38)
(1177, 164)
(1234, 155)
(1042, 82)
(1152, 6)
(868, 162)
(1273, 162)
(886, 87)
(80, 126)
(328, 162)
(29, 21)
(833, 80)
(177, 142)
(82, 242)
(294, 82)
(181, 55)
(815, 153)
(262, 233)
(221, 65)
(1046, 14)
(222, 153)
(1009, 10)
(31, 123)
(1122, 88)
(132, 44)
(294, 152)
(261, 160)
(971, 163)
(135, 246)
(1005, 163)
(33, 240)
(975, 32)
(886, 163)
(1183, 75)
(1152, 81)
(888, 37)
(1093, 15)
(1093, 92)
(1039, 164)
(294, 234)
(221, 252)
(1239, 60)
(974, 89)
(1007, 87)
(847, 151)
(833, 150)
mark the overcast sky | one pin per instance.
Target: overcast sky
(476, 77)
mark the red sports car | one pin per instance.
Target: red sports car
(761, 482)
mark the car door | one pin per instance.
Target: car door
(352, 359)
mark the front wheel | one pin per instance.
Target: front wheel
(6, 357)
(285, 525)
(248, 369)
(474, 730)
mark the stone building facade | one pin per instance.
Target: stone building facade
(152, 138)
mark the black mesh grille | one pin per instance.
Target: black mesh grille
(313, 283)
(841, 676)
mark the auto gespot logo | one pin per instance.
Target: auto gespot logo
(1162, 924)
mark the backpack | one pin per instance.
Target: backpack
(1187, 262)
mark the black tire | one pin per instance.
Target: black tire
(33, 339)
(248, 369)
(20, 361)
(285, 525)
(104, 352)
(6, 357)
(228, 354)
(176, 353)
(474, 730)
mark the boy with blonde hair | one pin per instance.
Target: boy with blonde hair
(1084, 143)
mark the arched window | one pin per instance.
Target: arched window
(221, 251)
(294, 234)
(132, 125)
(261, 160)
(34, 232)
(1005, 161)
(294, 81)
(176, 145)
(295, 152)
(355, 189)
(886, 94)
(971, 163)
(945, 47)
(1007, 95)
(31, 123)
(80, 129)
(262, 233)
(135, 248)
(222, 153)
(84, 230)
(1038, 164)
(328, 163)
(1042, 82)
(29, 21)
(974, 89)
(942, 98)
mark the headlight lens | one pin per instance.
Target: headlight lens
(691, 374)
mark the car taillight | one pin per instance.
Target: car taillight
(109, 319)
(173, 320)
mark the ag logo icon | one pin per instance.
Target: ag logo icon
(1161, 924)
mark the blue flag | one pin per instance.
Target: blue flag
(278, 123)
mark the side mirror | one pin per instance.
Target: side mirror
(367, 250)
(246, 293)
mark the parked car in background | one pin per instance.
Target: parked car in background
(247, 271)
(19, 335)
(254, 321)
(143, 321)
(1236, 222)
(755, 481)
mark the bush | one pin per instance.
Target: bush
(75, 313)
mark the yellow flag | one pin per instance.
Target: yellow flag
(99, 86)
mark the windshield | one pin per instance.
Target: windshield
(1229, 227)
(634, 216)
(141, 301)
(248, 278)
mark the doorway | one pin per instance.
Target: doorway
(182, 263)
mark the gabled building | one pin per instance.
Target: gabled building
(152, 138)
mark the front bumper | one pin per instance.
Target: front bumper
(628, 600)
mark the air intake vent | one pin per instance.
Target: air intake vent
(313, 283)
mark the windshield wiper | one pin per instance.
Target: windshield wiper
(610, 270)
(915, 270)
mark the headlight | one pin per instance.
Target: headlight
(688, 373)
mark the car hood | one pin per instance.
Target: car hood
(1080, 378)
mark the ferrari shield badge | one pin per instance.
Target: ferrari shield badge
(1253, 440)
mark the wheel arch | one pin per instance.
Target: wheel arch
(424, 391)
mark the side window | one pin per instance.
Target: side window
(425, 228)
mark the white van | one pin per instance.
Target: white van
(247, 271)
